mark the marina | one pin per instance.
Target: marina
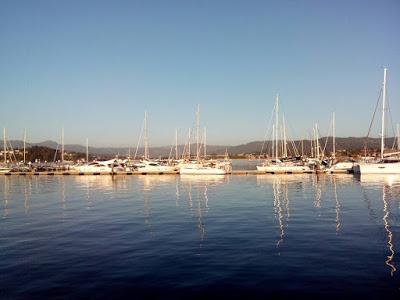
(174, 150)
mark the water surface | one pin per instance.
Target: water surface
(172, 237)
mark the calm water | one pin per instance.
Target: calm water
(172, 237)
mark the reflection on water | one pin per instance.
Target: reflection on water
(267, 231)
(385, 218)
(390, 188)
(197, 187)
(337, 204)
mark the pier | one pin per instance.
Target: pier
(76, 173)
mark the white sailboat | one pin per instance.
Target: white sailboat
(275, 164)
(338, 166)
(4, 168)
(146, 165)
(112, 165)
(388, 164)
(203, 166)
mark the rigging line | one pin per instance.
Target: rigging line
(55, 153)
(391, 120)
(372, 121)
(12, 151)
(295, 150)
(327, 136)
(266, 132)
(140, 139)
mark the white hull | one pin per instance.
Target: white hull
(341, 167)
(92, 169)
(203, 171)
(284, 169)
(156, 169)
(5, 170)
(377, 168)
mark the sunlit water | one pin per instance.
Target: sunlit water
(172, 237)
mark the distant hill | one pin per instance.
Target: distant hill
(342, 144)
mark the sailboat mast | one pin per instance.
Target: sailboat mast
(284, 138)
(398, 136)
(176, 145)
(277, 126)
(316, 141)
(311, 143)
(62, 145)
(190, 141)
(24, 146)
(205, 142)
(333, 136)
(383, 112)
(198, 133)
(87, 150)
(273, 140)
(146, 140)
(5, 145)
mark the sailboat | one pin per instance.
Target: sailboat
(146, 165)
(335, 165)
(276, 164)
(4, 168)
(203, 166)
(388, 163)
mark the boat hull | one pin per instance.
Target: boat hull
(284, 169)
(377, 168)
(203, 171)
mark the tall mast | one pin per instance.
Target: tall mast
(302, 147)
(62, 145)
(273, 140)
(383, 112)
(190, 141)
(311, 143)
(87, 150)
(24, 146)
(146, 139)
(176, 144)
(316, 141)
(284, 138)
(198, 133)
(398, 136)
(5, 145)
(333, 136)
(277, 126)
(205, 142)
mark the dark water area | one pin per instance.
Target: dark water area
(180, 237)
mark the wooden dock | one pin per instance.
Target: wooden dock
(76, 173)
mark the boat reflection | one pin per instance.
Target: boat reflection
(390, 187)
(6, 195)
(203, 179)
(100, 182)
(280, 189)
(196, 187)
(337, 203)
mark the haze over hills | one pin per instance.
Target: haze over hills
(254, 147)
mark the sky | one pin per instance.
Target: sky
(95, 67)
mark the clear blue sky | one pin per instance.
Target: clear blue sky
(94, 67)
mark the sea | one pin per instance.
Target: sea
(190, 237)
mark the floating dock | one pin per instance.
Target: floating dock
(76, 173)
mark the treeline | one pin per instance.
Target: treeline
(43, 154)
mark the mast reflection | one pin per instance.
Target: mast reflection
(337, 205)
(6, 195)
(198, 196)
(386, 210)
(389, 185)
